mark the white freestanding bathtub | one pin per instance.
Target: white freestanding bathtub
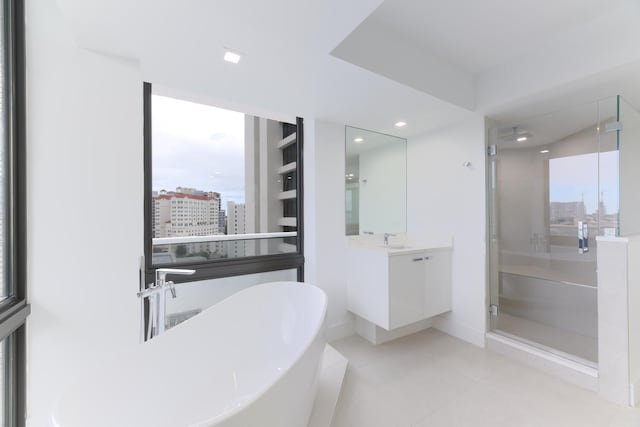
(250, 360)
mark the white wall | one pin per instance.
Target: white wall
(85, 205)
(447, 201)
(325, 242)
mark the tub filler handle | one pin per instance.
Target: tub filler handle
(156, 295)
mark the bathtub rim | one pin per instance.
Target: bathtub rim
(281, 374)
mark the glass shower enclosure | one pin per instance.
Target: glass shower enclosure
(555, 183)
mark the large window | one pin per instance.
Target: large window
(223, 189)
(583, 192)
(13, 308)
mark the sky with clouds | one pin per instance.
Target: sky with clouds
(198, 146)
(574, 178)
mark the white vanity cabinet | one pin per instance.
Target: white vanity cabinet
(396, 287)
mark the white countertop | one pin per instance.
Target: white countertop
(391, 250)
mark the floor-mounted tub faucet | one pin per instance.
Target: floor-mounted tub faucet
(156, 294)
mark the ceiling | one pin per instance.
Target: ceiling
(479, 35)
(557, 125)
(370, 141)
(369, 63)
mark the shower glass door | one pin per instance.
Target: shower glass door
(553, 189)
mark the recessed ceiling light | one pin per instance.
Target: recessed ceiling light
(358, 139)
(400, 124)
(521, 139)
(544, 151)
(232, 57)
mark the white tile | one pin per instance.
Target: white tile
(626, 417)
(430, 379)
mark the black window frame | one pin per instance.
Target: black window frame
(228, 267)
(14, 309)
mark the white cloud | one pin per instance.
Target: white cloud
(197, 146)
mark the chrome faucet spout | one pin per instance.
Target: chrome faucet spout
(161, 273)
(155, 294)
(386, 238)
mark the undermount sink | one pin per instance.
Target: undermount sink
(394, 246)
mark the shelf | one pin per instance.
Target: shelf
(291, 139)
(287, 168)
(285, 195)
(287, 222)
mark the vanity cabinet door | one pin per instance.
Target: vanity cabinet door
(437, 295)
(406, 289)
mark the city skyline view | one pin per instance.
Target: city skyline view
(197, 146)
(591, 178)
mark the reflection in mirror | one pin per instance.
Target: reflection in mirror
(375, 182)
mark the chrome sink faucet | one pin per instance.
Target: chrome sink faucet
(386, 238)
(156, 293)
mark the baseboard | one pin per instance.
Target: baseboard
(340, 330)
(459, 330)
(565, 369)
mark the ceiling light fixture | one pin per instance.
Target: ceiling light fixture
(544, 151)
(521, 139)
(400, 124)
(232, 57)
(358, 140)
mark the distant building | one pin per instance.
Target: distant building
(187, 212)
(222, 222)
(236, 224)
(270, 183)
(567, 212)
(602, 209)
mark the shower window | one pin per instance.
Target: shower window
(223, 189)
(572, 199)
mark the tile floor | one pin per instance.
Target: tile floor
(431, 379)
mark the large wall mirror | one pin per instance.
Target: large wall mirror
(375, 182)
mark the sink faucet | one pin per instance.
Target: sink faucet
(155, 293)
(386, 238)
